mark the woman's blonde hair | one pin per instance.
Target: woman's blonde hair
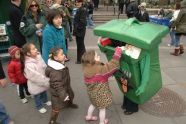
(29, 2)
(88, 58)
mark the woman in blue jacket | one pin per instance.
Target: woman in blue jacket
(53, 34)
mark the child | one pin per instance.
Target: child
(34, 69)
(15, 72)
(61, 91)
(96, 77)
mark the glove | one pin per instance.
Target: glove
(140, 90)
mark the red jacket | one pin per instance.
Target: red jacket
(14, 72)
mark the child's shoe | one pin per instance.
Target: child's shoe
(48, 103)
(42, 110)
(24, 100)
(11, 122)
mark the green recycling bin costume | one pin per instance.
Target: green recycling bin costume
(146, 74)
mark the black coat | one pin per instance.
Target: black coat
(144, 17)
(80, 22)
(15, 14)
(132, 9)
(2, 74)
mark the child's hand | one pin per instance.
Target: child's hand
(3, 82)
(122, 48)
(66, 99)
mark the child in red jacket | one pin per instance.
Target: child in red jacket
(15, 72)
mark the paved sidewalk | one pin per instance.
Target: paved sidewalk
(173, 74)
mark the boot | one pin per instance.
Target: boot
(181, 49)
(53, 118)
(176, 52)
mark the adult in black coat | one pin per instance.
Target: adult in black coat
(143, 15)
(79, 31)
(132, 9)
(15, 15)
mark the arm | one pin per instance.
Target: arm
(36, 77)
(11, 73)
(2, 76)
(109, 68)
(145, 74)
(27, 28)
(48, 43)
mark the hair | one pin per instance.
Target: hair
(52, 14)
(29, 2)
(177, 6)
(88, 58)
(54, 52)
(25, 49)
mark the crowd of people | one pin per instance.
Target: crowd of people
(40, 50)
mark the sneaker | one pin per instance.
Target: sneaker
(42, 110)
(11, 122)
(24, 100)
(49, 103)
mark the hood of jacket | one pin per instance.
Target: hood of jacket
(55, 65)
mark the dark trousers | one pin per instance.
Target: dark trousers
(23, 87)
(80, 47)
(129, 105)
(121, 5)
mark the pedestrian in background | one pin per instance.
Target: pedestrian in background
(143, 15)
(132, 9)
(90, 10)
(80, 22)
(34, 70)
(121, 5)
(61, 91)
(4, 117)
(172, 29)
(15, 15)
(96, 77)
(16, 74)
(32, 23)
(45, 6)
(53, 34)
(180, 25)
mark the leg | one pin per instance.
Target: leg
(54, 116)
(21, 91)
(102, 114)
(131, 107)
(44, 97)
(26, 89)
(38, 101)
(177, 43)
(89, 116)
(79, 48)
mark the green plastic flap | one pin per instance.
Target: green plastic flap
(144, 35)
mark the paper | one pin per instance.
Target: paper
(132, 51)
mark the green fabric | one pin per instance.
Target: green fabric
(143, 35)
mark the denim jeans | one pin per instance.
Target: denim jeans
(4, 117)
(177, 38)
(40, 99)
(89, 20)
(172, 35)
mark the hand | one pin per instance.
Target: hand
(140, 90)
(39, 34)
(122, 48)
(3, 82)
(39, 26)
(66, 99)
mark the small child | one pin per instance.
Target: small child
(15, 72)
(96, 77)
(61, 91)
(34, 69)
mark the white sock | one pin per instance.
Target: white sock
(102, 113)
(90, 110)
